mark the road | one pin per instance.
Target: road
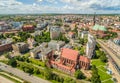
(114, 60)
(5, 80)
(110, 52)
(22, 74)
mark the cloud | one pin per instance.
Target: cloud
(60, 6)
(39, 0)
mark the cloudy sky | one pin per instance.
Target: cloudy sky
(59, 6)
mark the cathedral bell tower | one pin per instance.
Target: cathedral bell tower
(94, 21)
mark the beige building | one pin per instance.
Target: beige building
(20, 47)
(30, 42)
(55, 32)
(41, 52)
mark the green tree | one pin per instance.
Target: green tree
(36, 71)
(81, 41)
(12, 62)
(69, 80)
(79, 75)
(103, 58)
(7, 55)
(95, 77)
(82, 51)
(48, 73)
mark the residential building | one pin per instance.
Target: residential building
(5, 45)
(71, 35)
(41, 26)
(20, 47)
(41, 52)
(17, 25)
(90, 48)
(84, 34)
(55, 32)
(28, 28)
(30, 42)
(56, 45)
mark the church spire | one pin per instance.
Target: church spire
(94, 21)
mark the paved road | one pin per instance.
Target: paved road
(5, 80)
(114, 63)
(111, 53)
(22, 74)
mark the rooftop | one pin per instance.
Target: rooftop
(84, 59)
(69, 54)
(55, 28)
(99, 27)
(6, 41)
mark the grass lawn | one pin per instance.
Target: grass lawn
(108, 81)
(26, 54)
(102, 68)
(103, 75)
(97, 62)
(39, 75)
(102, 71)
(53, 81)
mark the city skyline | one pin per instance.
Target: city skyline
(59, 6)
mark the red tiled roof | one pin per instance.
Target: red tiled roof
(71, 33)
(69, 54)
(28, 26)
(84, 59)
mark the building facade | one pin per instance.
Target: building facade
(5, 45)
(90, 46)
(41, 52)
(69, 61)
(56, 45)
(28, 28)
(20, 47)
(55, 32)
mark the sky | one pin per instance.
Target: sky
(59, 6)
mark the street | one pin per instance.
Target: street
(5, 80)
(110, 52)
(114, 61)
(22, 74)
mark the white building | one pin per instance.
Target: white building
(55, 32)
(90, 46)
(83, 34)
(31, 42)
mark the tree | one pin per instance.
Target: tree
(62, 38)
(75, 30)
(48, 73)
(12, 62)
(81, 41)
(69, 80)
(103, 58)
(82, 51)
(79, 75)
(97, 54)
(7, 55)
(95, 77)
(36, 70)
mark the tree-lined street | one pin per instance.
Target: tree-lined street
(22, 74)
